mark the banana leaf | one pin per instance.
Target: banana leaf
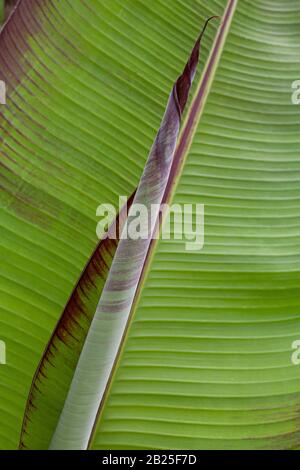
(206, 359)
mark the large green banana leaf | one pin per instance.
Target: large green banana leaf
(86, 88)
(206, 362)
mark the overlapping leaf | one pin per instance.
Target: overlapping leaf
(207, 358)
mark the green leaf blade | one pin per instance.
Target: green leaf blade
(70, 140)
(207, 360)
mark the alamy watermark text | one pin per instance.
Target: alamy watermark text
(180, 222)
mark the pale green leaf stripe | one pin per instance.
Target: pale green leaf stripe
(75, 133)
(207, 361)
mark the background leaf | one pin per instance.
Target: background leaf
(87, 86)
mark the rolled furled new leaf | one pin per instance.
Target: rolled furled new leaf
(109, 323)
